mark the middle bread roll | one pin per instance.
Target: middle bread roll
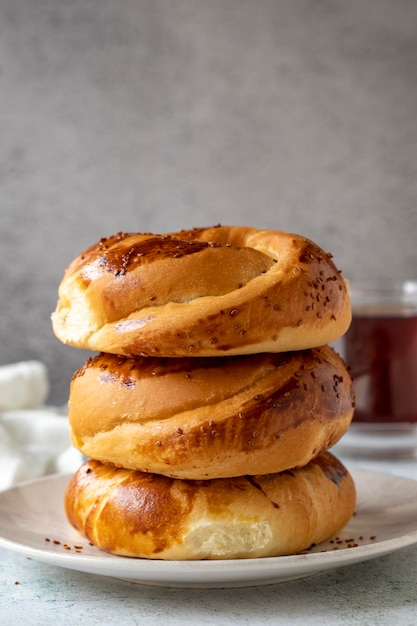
(208, 418)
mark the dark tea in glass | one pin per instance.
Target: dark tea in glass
(380, 348)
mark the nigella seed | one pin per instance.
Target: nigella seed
(234, 312)
(258, 397)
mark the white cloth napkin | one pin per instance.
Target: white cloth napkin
(34, 438)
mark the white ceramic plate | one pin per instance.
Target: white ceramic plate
(33, 523)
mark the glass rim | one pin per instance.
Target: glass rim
(400, 292)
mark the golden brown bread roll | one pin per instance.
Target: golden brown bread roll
(203, 292)
(150, 516)
(204, 418)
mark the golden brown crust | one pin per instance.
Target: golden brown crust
(199, 418)
(202, 292)
(149, 516)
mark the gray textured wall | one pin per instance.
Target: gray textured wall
(160, 114)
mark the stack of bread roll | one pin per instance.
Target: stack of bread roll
(208, 412)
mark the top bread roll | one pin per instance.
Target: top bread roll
(202, 292)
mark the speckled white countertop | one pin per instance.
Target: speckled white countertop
(379, 591)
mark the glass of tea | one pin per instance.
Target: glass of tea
(380, 349)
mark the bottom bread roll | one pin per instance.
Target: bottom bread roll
(130, 513)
